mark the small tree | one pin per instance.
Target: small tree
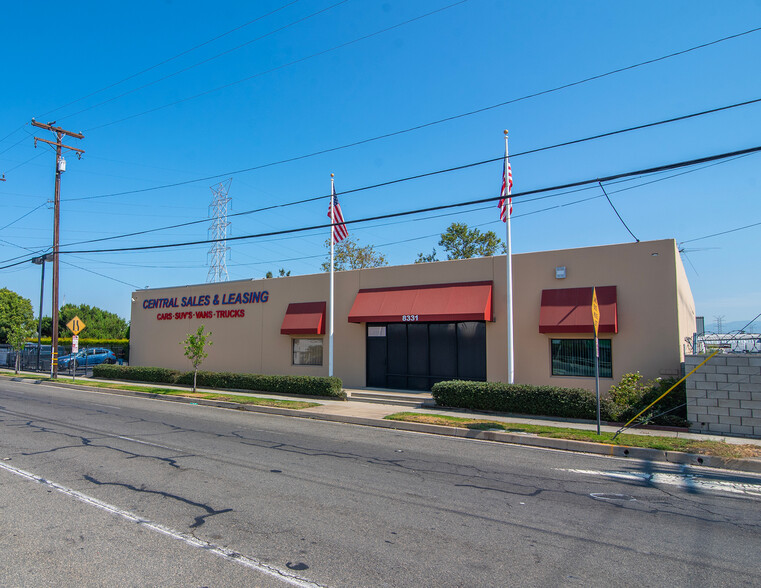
(16, 321)
(195, 349)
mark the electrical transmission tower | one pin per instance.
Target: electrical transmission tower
(218, 232)
(719, 323)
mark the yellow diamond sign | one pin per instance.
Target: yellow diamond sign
(595, 310)
(76, 325)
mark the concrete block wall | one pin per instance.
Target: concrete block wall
(724, 396)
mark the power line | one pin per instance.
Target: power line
(721, 233)
(610, 178)
(13, 133)
(15, 167)
(178, 72)
(165, 61)
(444, 206)
(136, 233)
(623, 222)
(484, 162)
(279, 67)
(23, 216)
(488, 207)
(44, 251)
(447, 119)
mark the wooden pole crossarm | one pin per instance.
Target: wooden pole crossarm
(79, 152)
(50, 127)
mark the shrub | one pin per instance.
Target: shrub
(296, 385)
(670, 411)
(135, 373)
(301, 385)
(574, 403)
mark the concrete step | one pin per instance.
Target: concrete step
(412, 400)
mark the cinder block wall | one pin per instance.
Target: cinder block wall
(724, 396)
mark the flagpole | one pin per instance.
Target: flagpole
(510, 350)
(332, 229)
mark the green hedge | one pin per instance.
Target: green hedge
(135, 374)
(574, 403)
(299, 385)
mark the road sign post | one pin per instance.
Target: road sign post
(596, 321)
(76, 326)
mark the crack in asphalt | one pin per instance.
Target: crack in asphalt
(547, 487)
(88, 442)
(198, 521)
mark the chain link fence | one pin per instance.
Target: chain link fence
(37, 359)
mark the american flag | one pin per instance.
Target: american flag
(506, 202)
(340, 232)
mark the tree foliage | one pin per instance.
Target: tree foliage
(349, 255)
(100, 324)
(16, 320)
(422, 258)
(460, 242)
(282, 273)
(195, 349)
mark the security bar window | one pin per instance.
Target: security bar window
(576, 357)
(307, 352)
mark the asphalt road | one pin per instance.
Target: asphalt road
(97, 489)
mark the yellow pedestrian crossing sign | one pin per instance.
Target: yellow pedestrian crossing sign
(595, 310)
(76, 325)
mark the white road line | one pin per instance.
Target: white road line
(217, 550)
(143, 442)
(688, 481)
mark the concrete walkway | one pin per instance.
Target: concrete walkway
(353, 409)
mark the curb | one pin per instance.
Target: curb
(621, 451)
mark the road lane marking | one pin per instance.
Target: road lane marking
(690, 482)
(217, 550)
(142, 442)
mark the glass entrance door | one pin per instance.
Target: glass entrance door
(414, 356)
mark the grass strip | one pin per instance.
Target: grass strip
(717, 448)
(294, 404)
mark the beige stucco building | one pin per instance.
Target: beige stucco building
(409, 326)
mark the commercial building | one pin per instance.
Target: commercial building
(407, 327)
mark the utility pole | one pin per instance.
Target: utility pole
(60, 167)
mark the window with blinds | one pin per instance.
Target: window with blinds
(576, 357)
(307, 352)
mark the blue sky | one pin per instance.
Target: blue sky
(318, 74)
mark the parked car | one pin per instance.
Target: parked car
(94, 356)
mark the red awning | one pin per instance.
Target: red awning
(569, 310)
(435, 302)
(304, 318)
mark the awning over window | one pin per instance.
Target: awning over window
(304, 318)
(435, 302)
(569, 310)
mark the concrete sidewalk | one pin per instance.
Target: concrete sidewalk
(353, 409)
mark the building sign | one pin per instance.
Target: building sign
(193, 304)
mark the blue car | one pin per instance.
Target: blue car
(87, 357)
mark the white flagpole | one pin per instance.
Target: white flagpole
(510, 350)
(330, 321)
